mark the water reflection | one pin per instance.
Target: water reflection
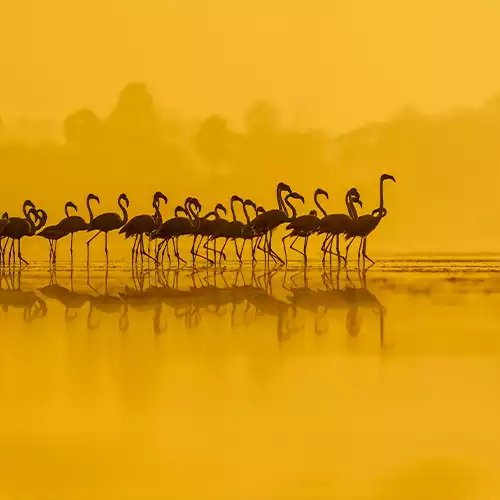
(194, 295)
(258, 383)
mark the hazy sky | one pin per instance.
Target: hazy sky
(336, 63)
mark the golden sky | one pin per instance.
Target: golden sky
(332, 63)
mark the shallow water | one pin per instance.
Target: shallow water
(250, 384)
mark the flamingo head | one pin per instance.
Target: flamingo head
(196, 203)
(313, 213)
(251, 204)
(28, 203)
(221, 207)
(70, 204)
(385, 177)
(321, 191)
(284, 187)
(5, 215)
(157, 197)
(41, 216)
(297, 196)
(92, 196)
(124, 197)
(235, 197)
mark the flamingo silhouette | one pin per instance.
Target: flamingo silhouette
(305, 225)
(18, 228)
(74, 223)
(143, 224)
(336, 224)
(263, 224)
(363, 226)
(107, 222)
(3, 222)
(178, 226)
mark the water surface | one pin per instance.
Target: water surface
(252, 383)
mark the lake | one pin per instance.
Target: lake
(252, 383)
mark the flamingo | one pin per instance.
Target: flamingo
(336, 224)
(17, 228)
(74, 223)
(53, 234)
(3, 222)
(178, 226)
(279, 217)
(205, 228)
(107, 222)
(366, 224)
(305, 225)
(18, 222)
(144, 224)
(265, 223)
(230, 229)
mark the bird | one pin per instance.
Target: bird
(230, 229)
(333, 225)
(52, 234)
(107, 222)
(17, 222)
(204, 230)
(363, 226)
(143, 224)
(74, 223)
(3, 222)
(305, 225)
(265, 223)
(178, 226)
(19, 227)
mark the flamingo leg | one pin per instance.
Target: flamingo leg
(143, 252)
(347, 249)
(324, 246)
(296, 249)
(176, 249)
(364, 251)
(54, 253)
(106, 248)
(71, 248)
(222, 254)
(88, 246)
(19, 251)
(206, 246)
(237, 252)
(284, 246)
(272, 252)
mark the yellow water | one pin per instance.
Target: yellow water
(182, 385)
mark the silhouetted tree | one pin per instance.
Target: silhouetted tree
(213, 139)
(262, 119)
(134, 120)
(83, 129)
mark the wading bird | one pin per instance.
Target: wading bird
(107, 222)
(363, 226)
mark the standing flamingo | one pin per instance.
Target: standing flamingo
(107, 222)
(364, 225)
(265, 223)
(143, 224)
(305, 225)
(18, 228)
(74, 223)
(18, 222)
(178, 226)
(334, 225)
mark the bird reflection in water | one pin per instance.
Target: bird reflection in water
(71, 300)
(106, 304)
(333, 297)
(243, 297)
(11, 295)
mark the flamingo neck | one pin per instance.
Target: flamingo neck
(292, 208)
(245, 211)
(348, 204)
(124, 210)
(381, 206)
(321, 209)
(91, 215)
(354, 211)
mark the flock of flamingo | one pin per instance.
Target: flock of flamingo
(205, 229)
